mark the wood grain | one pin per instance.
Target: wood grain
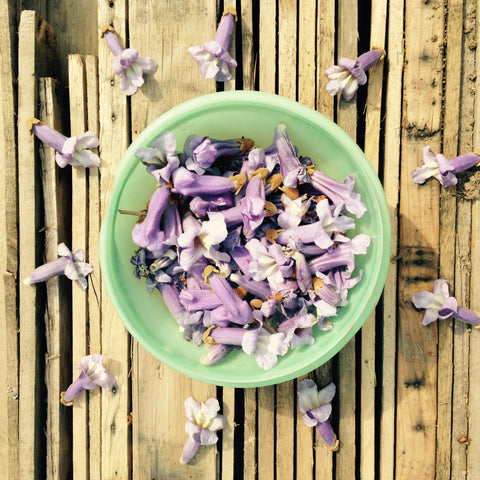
(177, 80)
(35, 60)
(57, 315)
(394, 59)
(78, 123)
(114, 138)
(347, 119)
(419, 244)
(9, 447)
(94, 290)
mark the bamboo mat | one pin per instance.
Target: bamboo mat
(408, 396)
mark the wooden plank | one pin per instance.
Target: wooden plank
(94, 290)
(78, 122)
(463, 234)
(394, 59)
(157, 455)
(228, 452)
(35, 59)
(57, 316)
(286, 392)
(325, 53)
(347, 119)
(249, 56)
(447, 240)
(474, 380)
(267, 45)
(419, 243)
(114, 138)
(265, 429)
(250, 436)
(9, 448)
(76, 27)
(304, 436)
(368, 382)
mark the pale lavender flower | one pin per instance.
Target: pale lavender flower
(298, 329)
(243, 337)
(191, 184)
(69, 263)
(213, 58)
(201, 152)
(92, 374)
(160, 154)
(290, 167)
(200, 206)
(439, 167)
(294, 210)
(349, 74)
(339, 193)
(203, 423)
(440, 304)
(215, 353)
(260, 289)
(147, 233)
(194, 300)
(200, 239)
(253, 206)
(316, 408)
(269, 346)
(127, 63)
(239, 310)
(68, 151)
(269, 263)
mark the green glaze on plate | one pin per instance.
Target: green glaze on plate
(231, 115)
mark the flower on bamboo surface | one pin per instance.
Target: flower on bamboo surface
(203, 423)
(69, 151)
(69, 263)
(440, 304)
(439, 167)
(213, 58)
(127, 63)
(92, 374)
(346, 77)
(316, 408)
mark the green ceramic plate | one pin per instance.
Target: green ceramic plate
(230, 115)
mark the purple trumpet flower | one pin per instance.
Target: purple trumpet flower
(201, 152)
(147, 234)
(239, 310)
(245, 338)
(68, 151)
(171, 224)
(443, 170)
(92, 374)
(242, 258)
(213, 58)
(160, 150)
(127, 63)
(294, 211)
(269, 263)
(302, 272)
(256, 160)
(216, 352)
(316, 408)
(269, 346)
(191, 184)
(440, 304)
(200, 239)
(204, 422)
(200, 206)
(340, 281)
(339, 193)
(194, 300)
(349, 74)
(70, 264)
(343, 255)
(260, 289)
(299, 329)
(290, 167)
(253, 206)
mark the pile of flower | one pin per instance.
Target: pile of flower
(247, 246)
